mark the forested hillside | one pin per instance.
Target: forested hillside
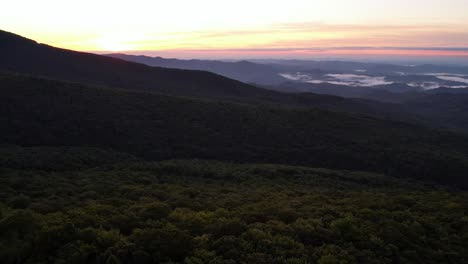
(212, 212)
(41, 112)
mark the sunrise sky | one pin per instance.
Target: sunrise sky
(247, 29)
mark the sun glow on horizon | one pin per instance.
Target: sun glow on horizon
(114, 43)
(209, 25)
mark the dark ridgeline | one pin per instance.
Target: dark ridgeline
(26, 56)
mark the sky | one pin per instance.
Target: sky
(307, 29)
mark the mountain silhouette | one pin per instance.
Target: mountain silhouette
(26, 56)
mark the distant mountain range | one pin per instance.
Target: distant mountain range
(384, 82)
(403, 90)
(244, 71)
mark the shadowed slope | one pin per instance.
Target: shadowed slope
(44, 112)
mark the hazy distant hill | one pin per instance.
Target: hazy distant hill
(243, 71)
(448, 90)
(347, 91)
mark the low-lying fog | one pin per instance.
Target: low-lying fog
(423, 80)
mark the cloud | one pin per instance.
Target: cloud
(453, 78)
(357, 80)
(312, 34)
(339, 79)
(296, 77)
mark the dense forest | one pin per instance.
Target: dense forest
(131, 211)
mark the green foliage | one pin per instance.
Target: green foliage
(210, 212)
(155, 210)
